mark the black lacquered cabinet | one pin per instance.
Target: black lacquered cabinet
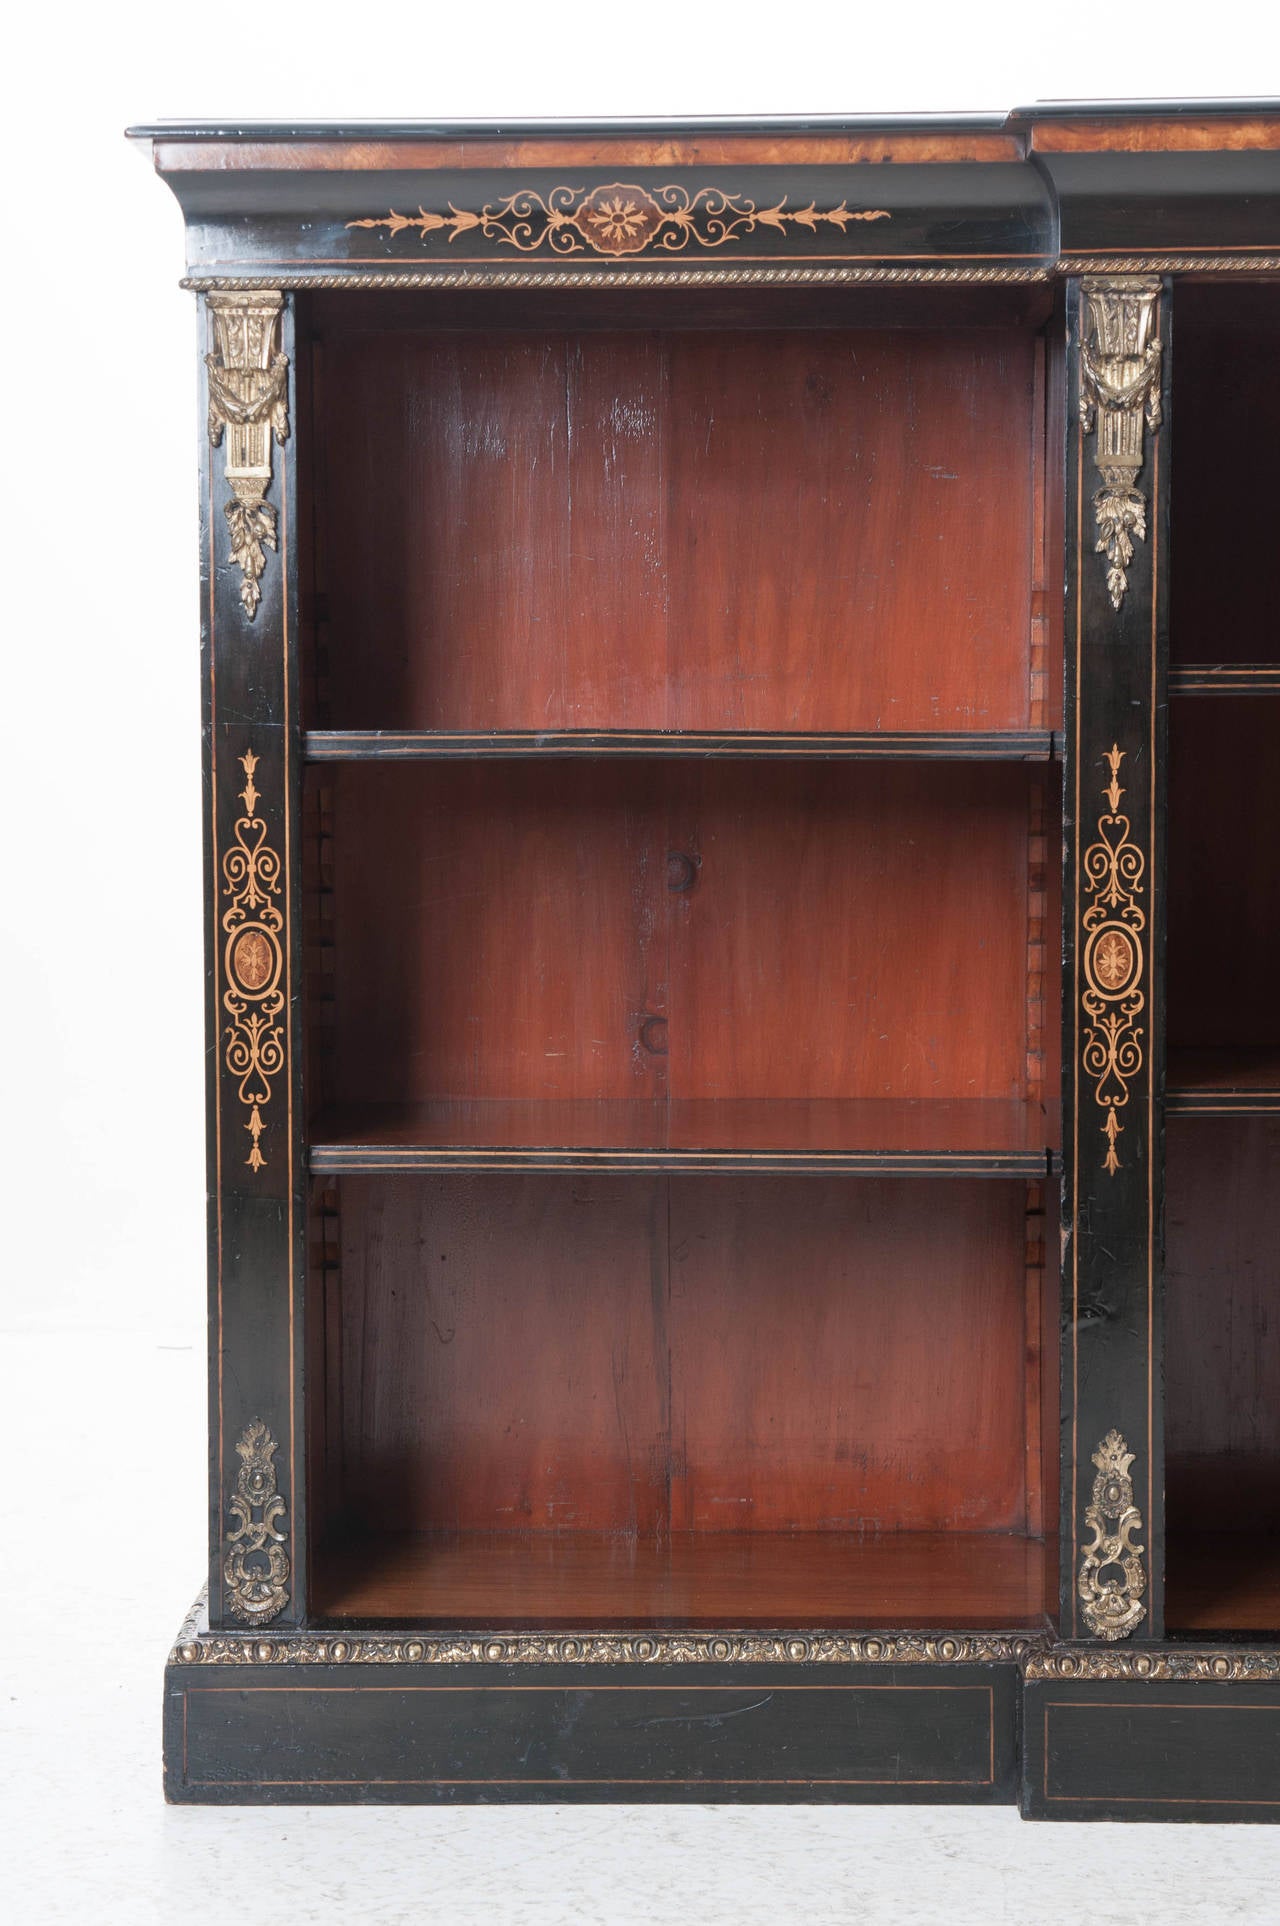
(744, 1093)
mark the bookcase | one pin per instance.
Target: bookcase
(744, 1088)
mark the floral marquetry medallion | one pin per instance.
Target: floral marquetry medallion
(1113, 996)
(253, 962)
(620, 218)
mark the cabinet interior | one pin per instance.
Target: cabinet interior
(1221, 1277)
(766, 1337)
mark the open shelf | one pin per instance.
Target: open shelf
(433, 745)
(1221, 1583)
(638, 1398)
(953, 1581)
(600, 533)
(1227, 1083)
(975, 1137)
(1222, 1373)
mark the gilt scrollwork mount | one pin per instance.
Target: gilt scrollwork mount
(255, 1568)
(248, 405)
(1112, 1577)
(1120, 371)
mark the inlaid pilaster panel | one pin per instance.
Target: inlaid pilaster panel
(1116, 496)
(252, 849)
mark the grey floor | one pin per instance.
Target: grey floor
(101, 1526)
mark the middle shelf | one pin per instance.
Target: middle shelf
(690, 965)
(890, 745)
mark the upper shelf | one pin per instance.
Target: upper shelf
(975, 1137)
(431, 745)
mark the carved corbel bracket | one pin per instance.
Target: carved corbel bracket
(1112, 1579)
(249, 402)
(1119, 395)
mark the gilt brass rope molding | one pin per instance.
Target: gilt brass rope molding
(367, 275)
(363, 275)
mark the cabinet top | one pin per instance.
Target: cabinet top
(1063, 186)
(1019, 119)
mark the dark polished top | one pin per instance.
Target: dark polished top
(1226, 106)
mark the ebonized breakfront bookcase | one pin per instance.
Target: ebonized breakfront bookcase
(734, 1272)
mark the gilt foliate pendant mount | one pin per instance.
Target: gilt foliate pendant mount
(248, 405)
(621, 218)
(1120, 372)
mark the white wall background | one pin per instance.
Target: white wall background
(101, 1058)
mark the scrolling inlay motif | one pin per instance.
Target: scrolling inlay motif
(1119, 389)
(255, 1569)
(1112, 1579)
(249, 403)
(1112, 925)
(620, 218)
(253, 962)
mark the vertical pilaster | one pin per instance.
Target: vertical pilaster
(253, 955)
(1117, 492)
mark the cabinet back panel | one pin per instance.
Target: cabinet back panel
(604, 931)
(705, 1353)
(1224, 879)
(1222, 1343)
(1226, 486)
(774, 530)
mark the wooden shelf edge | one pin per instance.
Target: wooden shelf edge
(428, 745)
(1222, 1103)
(1223, 1083)
(1224, 678)
(337, 1159)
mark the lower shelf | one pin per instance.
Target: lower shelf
(914, 1580)
(1220, 1583)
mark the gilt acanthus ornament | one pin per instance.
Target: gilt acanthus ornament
(248, 403)
(1120, 367)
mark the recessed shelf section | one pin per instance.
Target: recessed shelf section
(433, 745)
(974, 1137)
(1223, 1582)
(1230, 1083)
(1224, 678)
(705, 531)
(954, 1581)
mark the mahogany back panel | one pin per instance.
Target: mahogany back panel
(1225, 489)
(600, 930)
(784, 530)
(711, 1353)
